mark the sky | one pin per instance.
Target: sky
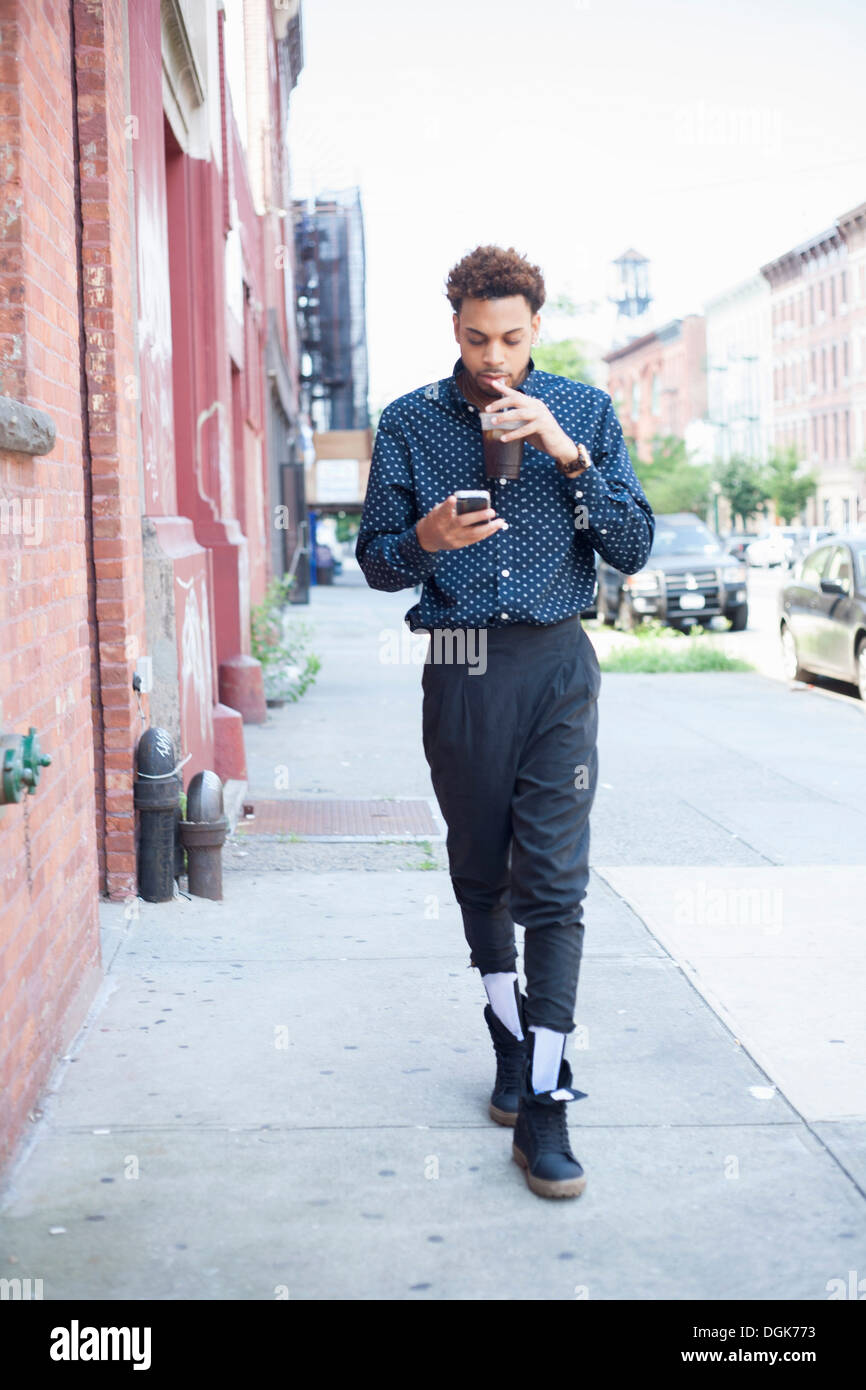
(711, 138)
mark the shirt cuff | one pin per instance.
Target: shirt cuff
(589, 486)
(416, 557)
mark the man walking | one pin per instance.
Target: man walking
(511, 747)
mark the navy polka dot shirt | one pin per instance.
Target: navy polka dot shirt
(539, 570)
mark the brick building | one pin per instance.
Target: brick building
(148, 365)
(818, 306)
(658, 383)
(852, 225)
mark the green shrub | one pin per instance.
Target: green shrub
(288, 667)
(660, 648)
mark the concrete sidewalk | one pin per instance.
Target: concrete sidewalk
(312, 1116)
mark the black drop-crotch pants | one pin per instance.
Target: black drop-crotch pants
(509, 726)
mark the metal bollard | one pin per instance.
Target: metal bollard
(156, 796)
(203, 835)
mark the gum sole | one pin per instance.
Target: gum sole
(503, 1117)
(546, 1187)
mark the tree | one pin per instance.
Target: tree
(744, 486)
(788, 491)
(673, 483)
(566, 358)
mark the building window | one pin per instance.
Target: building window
(826, 511)
(824, 435)
(832, 296)
(656, 406)
(847, 434)
(635, 399)
(835, 434)
(846, 512)
(835, 364)
(814, 434)
(812, 304)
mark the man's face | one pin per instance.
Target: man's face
(495, 337)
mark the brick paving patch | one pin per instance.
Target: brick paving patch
(340, 818)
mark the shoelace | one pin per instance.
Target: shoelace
(510, 1062)
(551, 1128)
(511, 1070)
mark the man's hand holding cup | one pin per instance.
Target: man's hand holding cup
(540, 429)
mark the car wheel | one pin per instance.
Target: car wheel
(739, 617)
(625, 617)
(790, 660)
(861, 668)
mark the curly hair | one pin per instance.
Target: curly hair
(489, 272)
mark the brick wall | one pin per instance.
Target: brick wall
(49, 940)
(117, 572)
(70, 592)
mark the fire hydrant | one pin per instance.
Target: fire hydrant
(21, 761)
(203, 834)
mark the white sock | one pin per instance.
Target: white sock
(546, 1058)
(500, 992)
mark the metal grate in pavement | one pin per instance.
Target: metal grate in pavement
(406, 819)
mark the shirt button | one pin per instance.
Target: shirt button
(604, 530)
(578, 493)
(506, 573)
(503, 481)
(503, 615)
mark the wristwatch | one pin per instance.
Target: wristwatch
(578, 465)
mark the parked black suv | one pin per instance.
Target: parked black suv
(688, 578)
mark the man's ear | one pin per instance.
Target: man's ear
(456, 322)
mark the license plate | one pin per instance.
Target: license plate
(692, 601)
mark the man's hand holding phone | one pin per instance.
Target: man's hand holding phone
(444, 528)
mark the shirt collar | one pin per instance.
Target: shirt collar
(458, 396)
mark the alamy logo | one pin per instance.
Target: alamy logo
(20, 1289)
(22, 516)
(76, 1343)
(854, 1287)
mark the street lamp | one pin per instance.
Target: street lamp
(716, 489)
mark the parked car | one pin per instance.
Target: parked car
(822, 613)
(688, 578)
(774, 546)
(591, 610)
(738, 542)
(325, 568)
(806, 540)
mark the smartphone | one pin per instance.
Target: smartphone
(472, 500)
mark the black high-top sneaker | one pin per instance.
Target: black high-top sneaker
(541, 1144)
(510, 1062)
